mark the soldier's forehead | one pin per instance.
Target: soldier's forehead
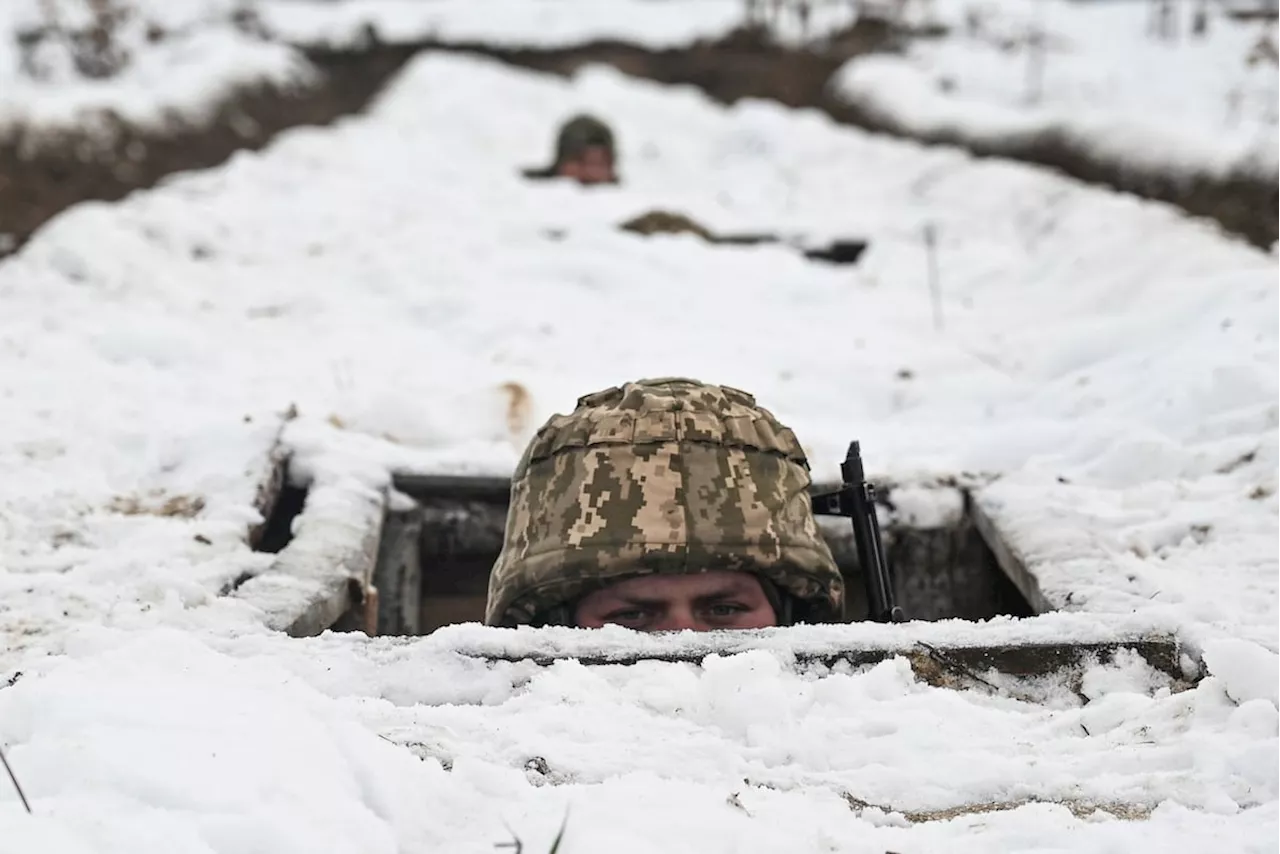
(713, 583)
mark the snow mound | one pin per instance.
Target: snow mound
(1116, 364)
(162, 741)
(392, 280)
(177, 63)
(1190, 107)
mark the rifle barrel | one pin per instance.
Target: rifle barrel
(866, 535)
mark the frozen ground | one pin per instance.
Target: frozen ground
(1189, 106)
(550, 23)
(199, 59)
(207, 50)
(161, 741)
(423, 308)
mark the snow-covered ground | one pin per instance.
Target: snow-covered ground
(546, 23)
(1192, 105)
(394, 279)
(208, 49)
(179, 60)
(164, 742)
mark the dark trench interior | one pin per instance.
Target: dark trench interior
(434, 558)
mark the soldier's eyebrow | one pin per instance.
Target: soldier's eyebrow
(733, 592)
(632, 600)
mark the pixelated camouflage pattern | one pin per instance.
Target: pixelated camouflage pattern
(579, 133)
(660, 476)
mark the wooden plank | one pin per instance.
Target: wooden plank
(458, 487)
(933, 661)
(397, 574)
(1007, 558)
(327, 569)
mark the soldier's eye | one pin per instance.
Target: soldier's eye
(725, 609)
(628, 615)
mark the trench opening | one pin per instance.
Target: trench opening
(277, 531)
(748, 63)
(434, 562)
(424, 563)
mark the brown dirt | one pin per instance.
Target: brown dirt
(742, 65)
(519, 409)
(156, 504)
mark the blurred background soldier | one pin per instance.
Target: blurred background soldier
(585, 151)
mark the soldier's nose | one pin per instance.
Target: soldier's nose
(676, 620)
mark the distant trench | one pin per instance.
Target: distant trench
(746, 65)
(39, 180)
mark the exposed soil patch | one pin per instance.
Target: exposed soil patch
(742, 65)
(157, 504)
(1079, 809)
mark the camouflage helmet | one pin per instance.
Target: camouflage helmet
(660, 476)
(579, 133)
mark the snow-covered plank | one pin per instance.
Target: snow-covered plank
(1201, 543)
(1027, 647)
(327, 569)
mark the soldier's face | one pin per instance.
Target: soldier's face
(593, 166)
(664, 603)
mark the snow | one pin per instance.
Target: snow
(1189, 106)
(334, 540)
(1108, 365)
(924, 507)
(420, 259)
(201, 62)
(546, 23)
(205, 56)
(298, 747)
(615, 644)
(1109, 549)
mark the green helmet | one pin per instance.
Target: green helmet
(580, 133)
(660, 476)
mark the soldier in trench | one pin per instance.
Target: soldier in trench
(662, 505)
(586, 152)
